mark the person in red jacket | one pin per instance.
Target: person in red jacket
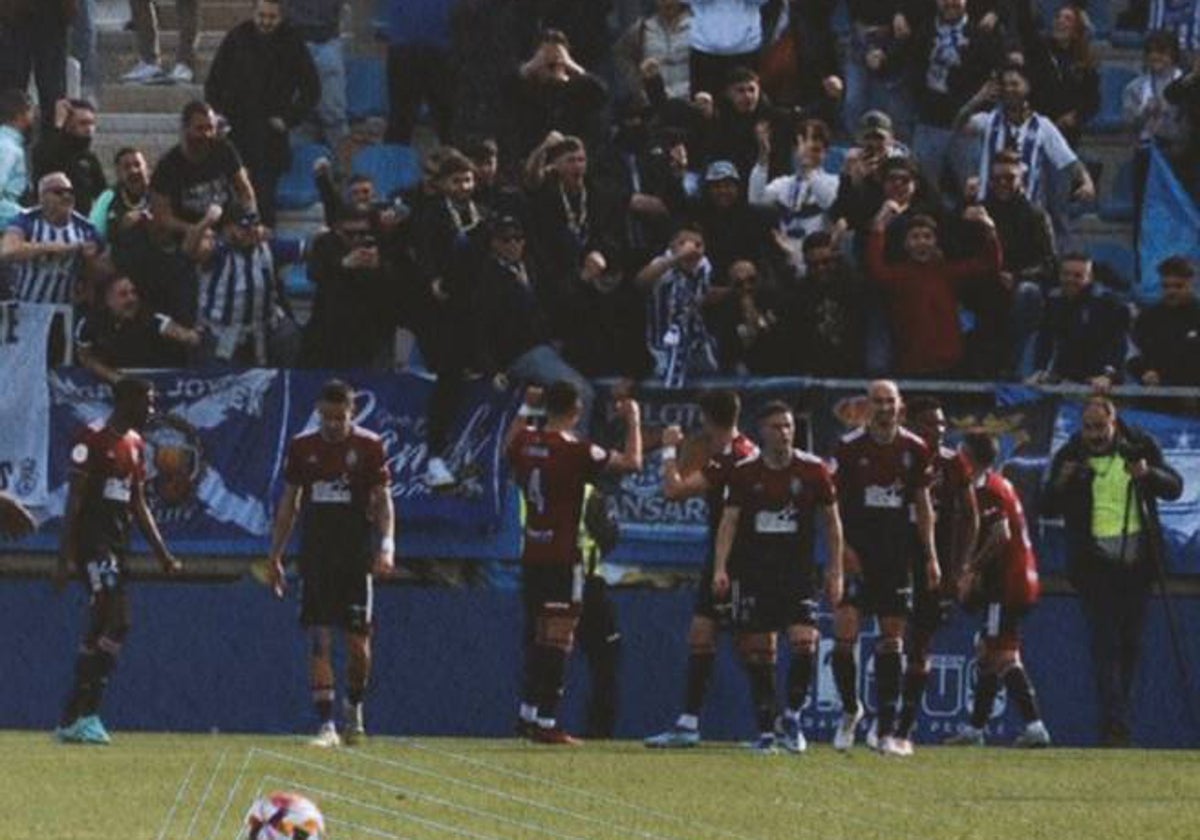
(1002, 578)
(922, 289)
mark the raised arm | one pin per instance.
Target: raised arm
(629, 459)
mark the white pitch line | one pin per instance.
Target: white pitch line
(367, 806)
(609, 800)
(183, 786)
(237, 783)
(500, 794)
(475, 812)
(364, 829)
(207, 790)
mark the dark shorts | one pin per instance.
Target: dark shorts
(336, 596)
(553, 589)
(768, 600)
(1002, 625)
(109, 614)
(880, 591)
(707, 605)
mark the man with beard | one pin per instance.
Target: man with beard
(126, 206)
(123, 333)
(202, 170)
(67, 147)
(264, 82)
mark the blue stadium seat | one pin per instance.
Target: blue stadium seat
(1130, 39)
(835, 157)
(840, 19)
(1118, 207)
(393, 167)
(1119, 258)
(366, 88)
(297, 188)
(296, 282)
(1112, 84)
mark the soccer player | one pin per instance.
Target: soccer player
(726, 446)
(108, 469)
(1002, 577)
(337, 475)
(553, 465)
(882, 469)
(15, 520)
(764, 565)
(956, 525)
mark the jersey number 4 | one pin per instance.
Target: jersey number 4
(535, 492)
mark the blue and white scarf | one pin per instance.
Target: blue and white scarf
(950, 39)
(1023, 139)
(676, 335)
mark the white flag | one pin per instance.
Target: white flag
(24, 400)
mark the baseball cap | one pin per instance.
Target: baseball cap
(874, 122)
(722, 170)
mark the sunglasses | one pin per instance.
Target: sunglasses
(61, 191)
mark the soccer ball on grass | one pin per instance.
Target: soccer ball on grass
(284, 816)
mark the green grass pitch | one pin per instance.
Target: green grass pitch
(198, 787)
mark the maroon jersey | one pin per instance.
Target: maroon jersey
(950, 476)
(336, 479)
(1012, 577)
(876, 483)
(777, 506)
(551, 468)
(717, 472)
(111, 465)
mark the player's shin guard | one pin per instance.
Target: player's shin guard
(845, 674)
(92, 668)
(1020, 690)
(888, 669)
(762, 692)
(552, 668)
(804, 664)
(915, 679)
(699, 674)
(985, 697)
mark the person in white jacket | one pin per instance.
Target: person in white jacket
(725, 34)
(802, 199)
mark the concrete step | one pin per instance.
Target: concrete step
(144, 99)
(218, 15)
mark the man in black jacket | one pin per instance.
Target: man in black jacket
(1105, 483)
(66, 147)
(1167, 333)
(1085, 330)
(264, 82)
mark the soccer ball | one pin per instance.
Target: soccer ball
(284, 816)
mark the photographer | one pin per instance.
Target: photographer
(1105, 483)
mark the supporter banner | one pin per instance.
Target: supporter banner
(1170, 225)
(213, 446)
(217, 442)
(25, 436)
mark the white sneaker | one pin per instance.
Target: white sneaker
(905, 746)
(143, 71)
(438, 475)
(1035, 735)
(872, 739)
(888, 746)
(968, 736)
(843, 739)
(182, 74)
(793, 739)
(327, 737)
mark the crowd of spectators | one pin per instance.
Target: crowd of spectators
(720, 187)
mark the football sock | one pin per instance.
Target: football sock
(799, 678)
(553, 671)
(92, 668)
(762, 692)
(322, 696)
(985, 697)
(1020, 689)
(914, 689)
(845, 674)
(888, 668)
(699, 673)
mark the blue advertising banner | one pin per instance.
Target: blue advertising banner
(216, 446)
(1170, 222)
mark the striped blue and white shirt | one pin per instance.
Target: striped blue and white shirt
(49, 279)
(240, 288)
